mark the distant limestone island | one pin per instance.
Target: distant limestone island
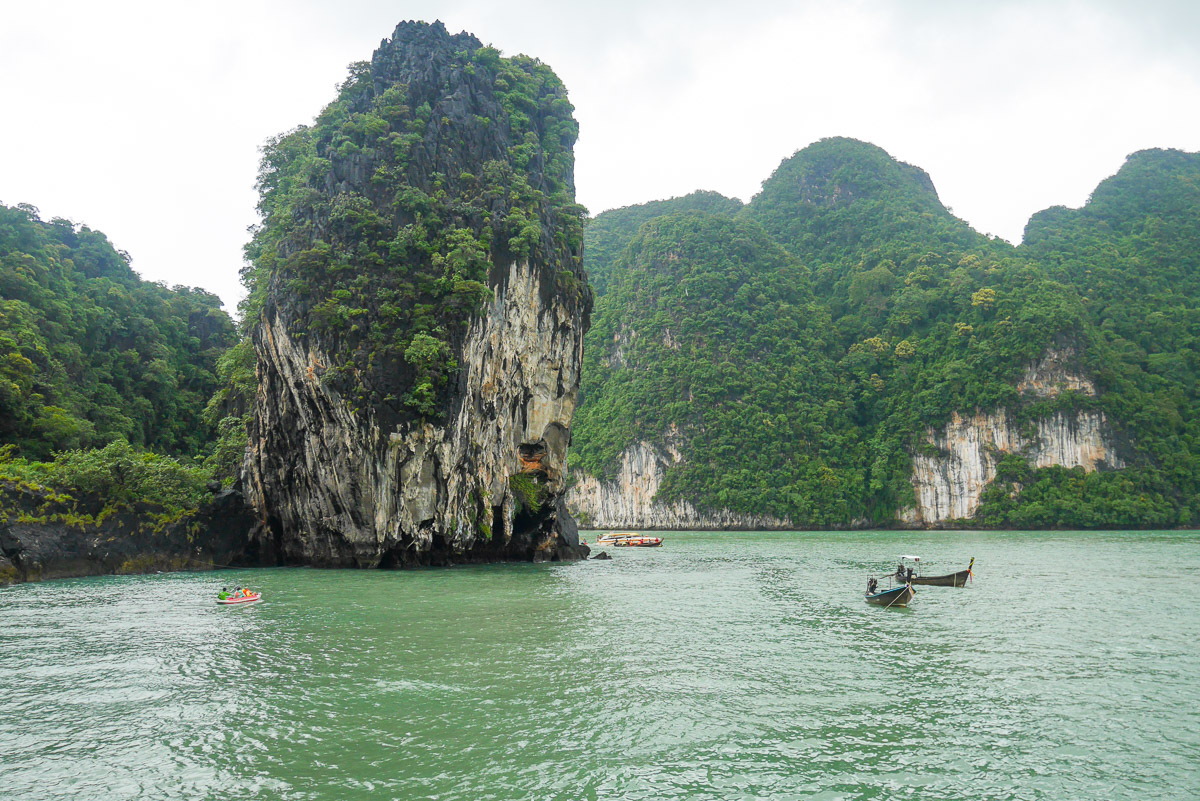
(843, 352)
(432, 320)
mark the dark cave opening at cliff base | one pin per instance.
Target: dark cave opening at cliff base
(401, 555)
(405, 554)
(499, 524)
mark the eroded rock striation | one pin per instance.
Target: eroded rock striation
(949, 485)
(429, 422)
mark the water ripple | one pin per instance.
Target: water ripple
(733, 666)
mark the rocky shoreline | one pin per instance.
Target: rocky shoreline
(45, 535)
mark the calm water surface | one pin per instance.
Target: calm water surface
(721, 666)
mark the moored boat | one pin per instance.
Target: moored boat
(893, 596)
(611, 537)
(639, 542)
(958, 579)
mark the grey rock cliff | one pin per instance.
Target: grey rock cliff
(335, 488)
(948, 486)
(630, 500)
(346, 474)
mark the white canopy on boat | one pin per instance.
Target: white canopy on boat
(914, 558)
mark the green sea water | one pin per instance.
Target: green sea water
(721, 666)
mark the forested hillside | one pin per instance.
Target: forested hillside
(713, 332)
(104, 383)
(1132, 257)
(607, 235)
(90, 353)
(919, 318)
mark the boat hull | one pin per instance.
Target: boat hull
(249, 599)
(897, 596)
(958, 579)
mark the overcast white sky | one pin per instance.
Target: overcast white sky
(143, 119)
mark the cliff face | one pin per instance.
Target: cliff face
(949, 485)
(338, 489)
(451, 445)
(629, 501)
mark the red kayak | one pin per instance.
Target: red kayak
(240, 599)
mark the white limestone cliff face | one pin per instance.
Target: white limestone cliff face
(949, 485)
(629, 501)
(333, 489)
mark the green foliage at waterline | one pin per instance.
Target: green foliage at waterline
(899, 316)
(120, 476)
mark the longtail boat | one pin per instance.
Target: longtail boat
(958, 579)
(895, 596)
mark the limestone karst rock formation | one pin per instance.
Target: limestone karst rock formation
(416, 386)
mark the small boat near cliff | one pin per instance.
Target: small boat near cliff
(629, 539)
(958, 579)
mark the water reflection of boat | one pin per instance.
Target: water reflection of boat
(628, 539)
(958, 579)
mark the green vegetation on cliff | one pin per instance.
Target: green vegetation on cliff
(117, 476)
(104, 379)
(912, 316)
(383, 220)
(712, 332)
(1132, 258)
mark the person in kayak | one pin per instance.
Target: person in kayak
(223, 594)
